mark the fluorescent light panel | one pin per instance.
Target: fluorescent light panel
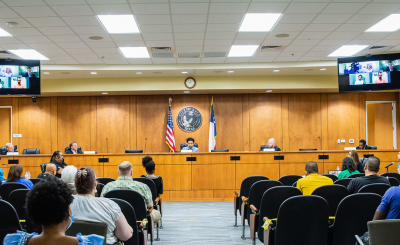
(3, 33)
(242, 50)
(134, 52)
(347, 50)
(388, 24)
(259, 22)
(118, 24)
(28, 54)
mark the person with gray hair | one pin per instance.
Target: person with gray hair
(68, 176)
(9, 148)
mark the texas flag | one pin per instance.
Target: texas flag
(212, 144)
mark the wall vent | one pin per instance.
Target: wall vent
(269, 48)
(4, 52)
(161, 49)
(378, 47)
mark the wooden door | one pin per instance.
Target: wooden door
(5, 126)
(380, 125)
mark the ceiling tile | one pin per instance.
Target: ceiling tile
(162, 43)
(189, 36)
(20, 23)
(213, 60)
(46, 62)
(322, 27)
(218, 42)
(220, 35)
(9, 13)
(73, 10)
(153, 9)
(198, 43)
(285, 58)
(225, 18)
(85, 56)
(140, 61)
(56, 30)
(8, 46)
(106, 38)
(228, 8)
(34, 39)
(262, 59)
(268, 53)
(126, 37)
(225, 48)
(46, 21)
(333, 42)
(289, 27)
(188, 60)
(81, 21)
(65, 38)
(96, 30)
(299, 48)
(91, 61)
(380, 8)
(106, 51)
(292, 53)
(155, 28)
(63, 2)
(189, 18)
(15, 3)
(373, 35)
(305, 42)
(157, 36)
(51, 51)
(66, 62)
(247, 42)
(24, 32)
(153, 19)
(114, 1)
(101, 44)
(130, 43)
(72, 45)
(361, 42)
(395, 35)
(251, 35)
(354, 27)
(366, 18)
(310, 58)
(189, 8)
(331, 18)
(312, 35)
(317, 54)
(227, 1)
(187, 48)
(388, 43)
(292, 35)
(328, 49)
(267, 7)
(297, 18)
(164, 60)
(342, 35)
(115, 61)
(276, 42)
(190, 28)
(9, 40)
(308, 8)
(37, 11)
(122, 9)
(78, 50)
(237, 59)
(343, 8)
(58, 56)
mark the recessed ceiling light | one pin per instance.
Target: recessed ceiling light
(259, 22)
(230, 71)
(242, 50)
(322, 69)
(347, 50)
(186, 92)
(139, 73)
(93, 73)
(46, 72)
(3, 33)
(388, 24)
(104, 93)
(135, 52)
(184, 72)
(28, 54)
(268, 91)
(117, 24)
(276, 70)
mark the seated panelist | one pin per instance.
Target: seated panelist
(73, 149)
(271, 145)
(190, 142)
(362, 145)
(9, 148)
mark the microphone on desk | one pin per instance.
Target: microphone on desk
(145, 143)
(320, 142)
(107, 144)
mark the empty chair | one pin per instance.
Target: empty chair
(391, 174)
(133, 151)
(104, 181)
(384, 232)
(9, 222)
(17, 199)
(302, 221)
(352, 215)
(355, 176)
(30, 151)
(7, 188)
(88, 228)
(393, 181)
(244, 192)
(344, 182)
(220, 150)
(34, 181)
(378, 188)
(269, 207)
(99, 189)
(333, 194)
(289, 180)
(333, 177)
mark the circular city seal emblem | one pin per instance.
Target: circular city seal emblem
(189, 119)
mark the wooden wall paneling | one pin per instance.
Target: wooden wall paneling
(285, 123)
(5, 101)
(294, 163)
(335, 160)
(383, 126)
(15, 119)
(246, 122)
(191, 194)
(112, 124)
(386, 157)
(265, 120)
(34, 124)
(132, 122)
(305, 125)
(91, 161)
(201, 103)
(324, 121)
(32, 163)
(363, 130)
(152, 115)
(229, 122)
(5, 125)
(371, 115)
(176, 176)
(380, 96)
(228, 194)
(53, 125)
(93, 123)
(74, 122)
(256, 164)
(343, 120)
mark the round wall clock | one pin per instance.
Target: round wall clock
(190, 82)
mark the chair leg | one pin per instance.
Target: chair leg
(235, 221)
(244, 228)
(253, 228)
(157, 239)
(159, 209)
(243, 219)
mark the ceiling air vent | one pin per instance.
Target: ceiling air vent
(4, 52)
(189, 55)
(214, 54)
(269, 48)
(378, 47)
(161, 49)
(162, 52)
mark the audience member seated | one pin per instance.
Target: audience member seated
(125, 181)
(53, 213)
(390, 205)
(354, 155)
(190, 142)
(348, 168)
(150, 167)
(58, 159)
(73, 149)
(371, 169)
(313, 179)
(9, 148)
(1, 174)
(87, 207)
(68, 176)
(271, 144)
(398, 165)
(50, 171)
(15, 175)
(362, 145)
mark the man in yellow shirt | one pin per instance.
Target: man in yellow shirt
(312, 180)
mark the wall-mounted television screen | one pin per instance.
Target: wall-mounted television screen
(19, 77)
(369, 73)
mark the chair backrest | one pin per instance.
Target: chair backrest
(355, 176)
(352, 215)
(99, 189)
(371, 147)
(104, 181)
(134, 198)
(9, 222)
(69, 148)
(130, 216)
(308, 149)
(246, 185)
(43, 167)
(17, 200)
(30, 151)
(257, 191)
(289, 180)
(270, 203)
(88, 228)
(344, 182)
(150, 184)
(35, 181)
(384, 232)
(391, 174)
(393, 181)
(378, 188)
(220, 150)
(333, 194)
(333, 177)
(7, 188)
(185, 145)
(133, 151)
(299, 209)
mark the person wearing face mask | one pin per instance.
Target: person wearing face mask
(55, 219)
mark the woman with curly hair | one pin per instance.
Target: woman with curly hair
(348, 168)
(47, 205)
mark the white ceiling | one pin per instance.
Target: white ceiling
(60, 29)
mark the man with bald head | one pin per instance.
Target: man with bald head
(271, 145)
(312, 180)
(9, 148)
(51, 170)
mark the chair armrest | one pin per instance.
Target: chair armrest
(359, 240)
(236, 194)
(253, 208)
(157, 200)
(143, 223)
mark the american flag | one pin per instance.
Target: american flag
(170, 132)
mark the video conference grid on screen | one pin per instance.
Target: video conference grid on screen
(17, 77)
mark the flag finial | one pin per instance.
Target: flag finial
(170, 100)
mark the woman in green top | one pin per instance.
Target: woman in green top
(348, 168)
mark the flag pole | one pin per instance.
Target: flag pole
(170, 100)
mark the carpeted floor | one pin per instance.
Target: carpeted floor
(201, 223)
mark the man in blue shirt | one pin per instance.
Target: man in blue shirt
(190, 142)
(390, 205)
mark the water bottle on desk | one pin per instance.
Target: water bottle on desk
(29, 175)
(26, 175)
(337, 170)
